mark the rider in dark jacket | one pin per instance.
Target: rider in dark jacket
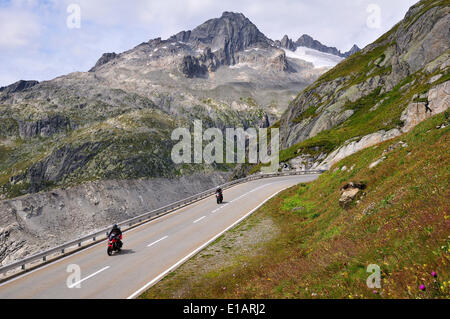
(219, 194)
(116, 232)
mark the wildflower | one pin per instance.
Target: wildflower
(434, 274)
(422, 287)
(375, 292)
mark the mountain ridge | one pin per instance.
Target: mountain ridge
(309, 42)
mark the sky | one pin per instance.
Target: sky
(40, 40)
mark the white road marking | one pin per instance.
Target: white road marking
(195, 221)
(157, 241)
(92, 275)
(185, 258)
(84, 249)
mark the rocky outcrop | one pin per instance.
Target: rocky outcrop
(230, 33)
(304, 162)
(191, 67)
(33, 223)
(349, 193)
(416, 112)
(44, 127)
(352, 51)
(287, 43)
(61, 163)
(280, 63)
(355, 146)
(18, 86)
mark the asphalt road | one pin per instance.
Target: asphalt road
(150, 251)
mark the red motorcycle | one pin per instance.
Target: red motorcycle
(114, 244)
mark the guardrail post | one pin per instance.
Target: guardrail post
(44, 258)
(79, 244)
(23, 267)
(93, 238)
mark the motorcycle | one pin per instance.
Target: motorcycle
(114, 244)
(219, 198)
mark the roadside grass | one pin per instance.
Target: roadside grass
(321, 250)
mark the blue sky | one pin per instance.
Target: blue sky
(36, 44)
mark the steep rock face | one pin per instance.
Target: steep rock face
(190, 66)
(230, 33)
(18, 86)
(419, 42)
(105, 58)
(419, 39)
(62, 162)
(356, 146)
(287, 43)
(44, 127)
(438, 102)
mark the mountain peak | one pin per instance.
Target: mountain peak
(353, 50)
(230, 33)
(229, 14)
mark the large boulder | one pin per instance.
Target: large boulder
(349, 192)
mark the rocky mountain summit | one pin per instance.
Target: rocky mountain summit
(376, 94)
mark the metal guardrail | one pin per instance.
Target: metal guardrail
(101, 234)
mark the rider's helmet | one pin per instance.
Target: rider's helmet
(115, 226)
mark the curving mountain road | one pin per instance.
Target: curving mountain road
(150, 250)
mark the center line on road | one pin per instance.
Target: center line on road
(95, 273)
(157, 241)
(195, 221)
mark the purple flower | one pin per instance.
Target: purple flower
(434, 274)
(422, 287)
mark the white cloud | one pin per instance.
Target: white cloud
(18, 29)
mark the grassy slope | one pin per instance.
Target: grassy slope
(323, 250)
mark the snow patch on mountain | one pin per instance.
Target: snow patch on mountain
(319, 59)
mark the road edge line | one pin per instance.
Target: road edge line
(194, 252)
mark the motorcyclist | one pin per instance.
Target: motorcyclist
(219, 194)
(116, 232)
